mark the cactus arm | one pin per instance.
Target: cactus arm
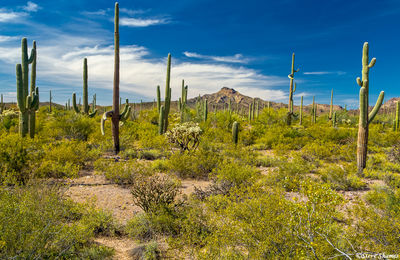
(28, 102)
(104, 118)
(161, 120)
(372, 63)
(93, 113)
(125, 115)
(376, 108)
(74, 103)
(126, 111)
(32, 57)
(35, 102)
(359, 82)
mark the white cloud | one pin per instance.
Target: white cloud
(60, 68)
(131, 11)
(135, 22)
(10, 16)
(324, 72)
(237, 58)
(4, 38)
(98, 12)
(31, 7)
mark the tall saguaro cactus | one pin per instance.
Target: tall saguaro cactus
(331, 106)
(114, 113)
(397, 119)
(84, 94)
(167, 102)
(301, 111)
(2, 105)
(365, 118)
(235, 132)
(28, 102)
(292, 89)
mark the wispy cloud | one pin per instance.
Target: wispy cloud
(10, 16)
(4, 38)
(237, 58)
(98, 12)
(132, 12)
(31, 7)
(137, 22)
(325, 73)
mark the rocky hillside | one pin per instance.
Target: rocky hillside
(225, 94)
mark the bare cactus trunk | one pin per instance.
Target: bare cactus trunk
(115, 108)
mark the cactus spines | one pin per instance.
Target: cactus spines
(235, 132)
(84, 94)
(365, 119)
(331, 106)
(397, 119)
(301, 111)
(116, 117)
(28, 102)
(161, 120)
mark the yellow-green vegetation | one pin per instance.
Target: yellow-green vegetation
(279, 192)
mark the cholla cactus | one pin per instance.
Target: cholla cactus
(186, 136)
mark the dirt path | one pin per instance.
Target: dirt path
(117, 200)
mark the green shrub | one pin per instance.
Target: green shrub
(16, 158)
(65, 159)
(236, 173)
(70, 126)
(342, 177)
(121, 172)
(195, 165)
(153, 192)
(37, 223)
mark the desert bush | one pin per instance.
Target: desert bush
(186, 136)
(151, 154)
(121, 172)
(37, 223)
(64, 159)
(234, 172)
(195, 165)
(342, 177)
(70, 126)
(153, 192)
(16, 158)
(291, 173)
(259, 223)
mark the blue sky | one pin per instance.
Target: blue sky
(246, 45)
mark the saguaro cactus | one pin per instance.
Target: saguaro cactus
(167, 102)
(158, 99)
(205, 110)
(314, 111)
(27, 101)
(397, 119)
(50, 101)
(301, 111)
(331, 106)
(334, 124)
(235, 132)
(114, 113)
(365, 118)
(292, 89)
(2, 105)
(161, 120)
(85, 94)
